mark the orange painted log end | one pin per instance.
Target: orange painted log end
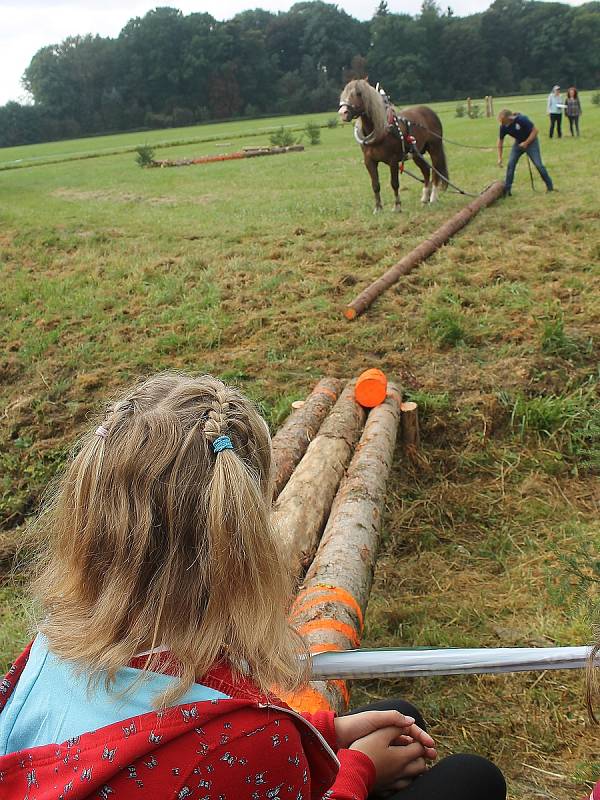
(371, 388)
(350, 313)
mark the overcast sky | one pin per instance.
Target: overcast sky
(27, 25)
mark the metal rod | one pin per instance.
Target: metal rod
(389, 663)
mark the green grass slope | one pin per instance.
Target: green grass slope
(242, 268)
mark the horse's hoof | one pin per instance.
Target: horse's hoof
(377, 209)
(397, 209)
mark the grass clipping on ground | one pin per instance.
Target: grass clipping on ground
(492, 538)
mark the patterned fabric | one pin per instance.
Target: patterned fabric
(244, 748)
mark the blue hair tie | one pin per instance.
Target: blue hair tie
(222, 443)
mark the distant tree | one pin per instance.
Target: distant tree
(165, 68)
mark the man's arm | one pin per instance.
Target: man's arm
(500, 147)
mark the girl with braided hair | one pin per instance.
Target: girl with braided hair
(162, 627)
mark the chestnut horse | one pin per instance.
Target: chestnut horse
(394, 136)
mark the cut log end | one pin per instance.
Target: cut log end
(410, 426)
(350, 313)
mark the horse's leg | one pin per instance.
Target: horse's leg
(372, 168)
(426, 170)
(395, 180)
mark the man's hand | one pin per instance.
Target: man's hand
(499, 162)
(356, 726)
(523, 145)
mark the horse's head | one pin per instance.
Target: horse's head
(351, 100)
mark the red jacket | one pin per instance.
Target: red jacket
(249, 747)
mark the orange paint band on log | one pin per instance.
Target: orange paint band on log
(307, 699)
(326, 647)
(331, 625)
(342, 689)
(329, 594)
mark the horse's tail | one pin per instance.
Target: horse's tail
(438, 158)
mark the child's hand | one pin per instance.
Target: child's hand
(394, 763)
(357, 726)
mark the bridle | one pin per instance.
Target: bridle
(354, 111)
(354, 114)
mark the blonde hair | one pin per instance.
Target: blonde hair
(154, 539)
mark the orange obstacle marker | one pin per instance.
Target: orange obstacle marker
(371, 388)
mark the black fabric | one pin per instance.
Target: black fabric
(556, 119)
(457, 777)
(520, 128)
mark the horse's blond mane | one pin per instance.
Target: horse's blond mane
(373, 104)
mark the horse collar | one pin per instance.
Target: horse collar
(367, 140)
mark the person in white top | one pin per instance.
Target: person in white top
(555, 108)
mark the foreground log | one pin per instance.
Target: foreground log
(302, 508)
(300, 428)
(423, 251)
(330, 607)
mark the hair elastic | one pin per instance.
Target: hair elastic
(222, 443)
(102, 431)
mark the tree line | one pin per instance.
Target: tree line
(167, 69)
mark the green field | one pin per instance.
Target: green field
(242, 268)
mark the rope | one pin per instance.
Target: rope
(530, 174)
(445, 138)
(456, 188)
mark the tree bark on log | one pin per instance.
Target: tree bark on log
(300, 428)
(329, 609)
(423, 251)
(410, 426)
(302, 508)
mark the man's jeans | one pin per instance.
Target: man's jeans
(533, 151)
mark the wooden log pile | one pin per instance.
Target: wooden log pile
(328, 514)
(247, 152)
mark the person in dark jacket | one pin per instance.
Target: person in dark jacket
(573, 109)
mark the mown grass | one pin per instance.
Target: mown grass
(242, 268)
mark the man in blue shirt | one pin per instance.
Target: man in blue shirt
(525, 134)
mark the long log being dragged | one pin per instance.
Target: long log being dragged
(329, 609)
(423, 251)
(300, 428)
(301, 510)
